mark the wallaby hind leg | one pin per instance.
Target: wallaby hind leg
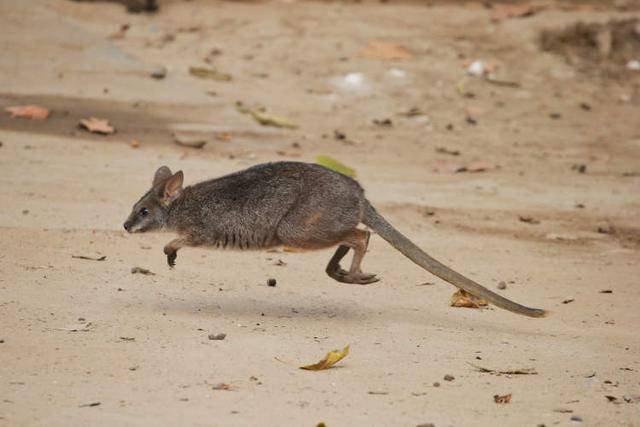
(357, 240)
(333, 268)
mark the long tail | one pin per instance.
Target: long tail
(374, 220)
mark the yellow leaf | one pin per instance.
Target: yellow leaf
(335, 165)
(465, 299)
(329, 360)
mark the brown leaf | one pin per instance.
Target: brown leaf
(462, 298)
(504, 11)
(143, 271)
(329, 360)
(224, 386)
(385, 50)
(32, 112)
(502, 399)
(95, 125)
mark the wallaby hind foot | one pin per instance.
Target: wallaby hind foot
(358, 240)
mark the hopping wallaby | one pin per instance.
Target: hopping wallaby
(290, 204)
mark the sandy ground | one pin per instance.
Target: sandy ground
(145, 355)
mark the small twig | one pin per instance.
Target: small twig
(102, 258)
(524, 371)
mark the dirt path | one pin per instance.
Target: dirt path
(558, 238)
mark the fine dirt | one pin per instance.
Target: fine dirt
(553, 214)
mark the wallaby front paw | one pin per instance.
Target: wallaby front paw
(171, 259)
(171, 256)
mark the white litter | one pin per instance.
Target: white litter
(476, 68)
(634, 65)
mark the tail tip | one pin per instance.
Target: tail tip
(537, 312)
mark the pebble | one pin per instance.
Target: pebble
(159, 73)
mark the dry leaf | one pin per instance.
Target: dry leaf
(134, 143)
(95, 125)
(463, 298)
(501, 12)
(265, 119)
(144, 271)
(522, 371)
(210, 73)
(81, 327)
(335, 165)
(223, 386)
(32, 112)
(384, 50)
(269, 120)
(102, 258)
(502, 399)
(329, 360)
(223, 136)
(120, 33)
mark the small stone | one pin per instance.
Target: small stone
(576, 418)
(426, 425)
(502, 285)
(271, 282)
(217, 337)
(159, 73)
(449, 377)
(436, 384)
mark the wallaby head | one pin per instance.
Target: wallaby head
(151, 212)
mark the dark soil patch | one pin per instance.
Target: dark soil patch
(592, 47)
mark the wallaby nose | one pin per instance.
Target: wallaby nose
(127, 226)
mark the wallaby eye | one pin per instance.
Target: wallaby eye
(144, 211)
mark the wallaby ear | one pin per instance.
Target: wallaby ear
(161, 175)
(173, 187)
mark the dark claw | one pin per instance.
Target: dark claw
(171, 259)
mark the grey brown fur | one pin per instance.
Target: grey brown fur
(291, 204)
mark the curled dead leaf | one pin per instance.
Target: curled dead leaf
(502, 399)
(32, 112)
(95, 125)
(329, 360)
(463, 298)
